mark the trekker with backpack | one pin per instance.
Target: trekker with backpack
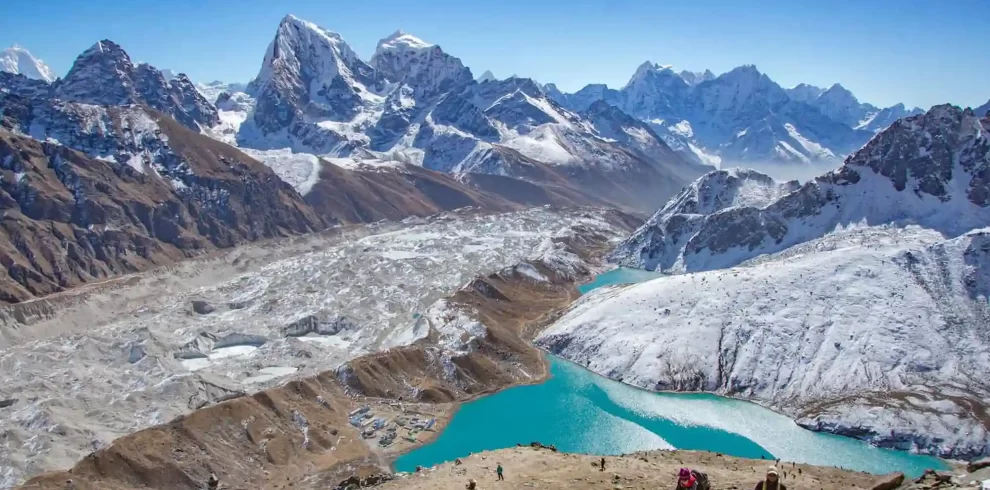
(688, 479)
(772, 481)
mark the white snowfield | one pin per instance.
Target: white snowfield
(104, 361)
(880, 333)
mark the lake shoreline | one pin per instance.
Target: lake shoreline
(546, 376)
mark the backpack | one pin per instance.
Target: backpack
(702, 479)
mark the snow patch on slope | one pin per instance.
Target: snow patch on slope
(300, 170)
(401, 41)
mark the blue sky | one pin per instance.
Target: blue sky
(885, 51)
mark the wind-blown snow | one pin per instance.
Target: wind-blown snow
(401, 41)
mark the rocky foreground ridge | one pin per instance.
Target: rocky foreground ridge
(534, 467)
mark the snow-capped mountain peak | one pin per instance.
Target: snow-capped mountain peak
(804, 92)
(488, 76)
(311, 72)
(425, 67)
(743, 72)
(925, 170)
(400, 40)
(105, 75)
(18, 60)
(100, 75)
(327, 50)
(645, 70)
(840, 95)
(694, 78)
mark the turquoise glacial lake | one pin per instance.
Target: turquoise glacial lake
(622, 275)
(581, 412)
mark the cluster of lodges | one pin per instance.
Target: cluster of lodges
(364, 418)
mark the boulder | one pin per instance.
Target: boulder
(7, 402)
(943, 476)
(202, 307)
(889, 482)
(136, 353)
(316, 325)
(978, 465)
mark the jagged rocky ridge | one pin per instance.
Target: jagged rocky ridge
(856, 303)
(414, 103)
(928, 170)
(104, 75)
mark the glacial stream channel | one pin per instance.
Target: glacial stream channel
(581, 412)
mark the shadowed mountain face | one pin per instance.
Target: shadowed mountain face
(69, 218)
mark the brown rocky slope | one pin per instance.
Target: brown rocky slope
(68, 218)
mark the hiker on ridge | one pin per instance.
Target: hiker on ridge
(498, 470)
(688, 479)
(772, 481)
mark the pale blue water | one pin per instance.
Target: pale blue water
(622, 275)
(579, 411)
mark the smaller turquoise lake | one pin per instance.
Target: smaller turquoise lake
(581, 412)
(622, 275)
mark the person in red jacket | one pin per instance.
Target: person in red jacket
(686, 481)
(772, 481)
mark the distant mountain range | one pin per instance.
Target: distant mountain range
(410, 131)
(742, 115)
(417, 103)
(120, 166)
